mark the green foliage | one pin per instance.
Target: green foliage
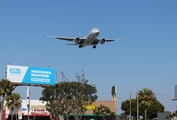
(172, 115)
(154, 109)
(146, 98)
(126, 106)
(49, 96)
(6, 87)
(146, 101)
(13, 102)
(105, 112)
(69, 97)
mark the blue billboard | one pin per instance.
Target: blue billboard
(30, 75)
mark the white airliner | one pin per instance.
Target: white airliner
(89, 39)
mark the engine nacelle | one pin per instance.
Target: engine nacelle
(77, 40)
(102, 41)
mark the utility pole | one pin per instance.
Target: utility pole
(130, 107)
(137, 102)
(1, 109)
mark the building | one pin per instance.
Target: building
(38, 111)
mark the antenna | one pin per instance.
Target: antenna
(83, 74)
(57, 77)
(64, 77)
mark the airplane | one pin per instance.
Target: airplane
(90, 39)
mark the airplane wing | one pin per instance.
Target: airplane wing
(110, 40)
(72, 44)
(66, 38)
(62, 38)
(103, 40)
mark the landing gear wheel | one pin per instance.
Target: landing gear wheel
(94, 46)
(80, 46)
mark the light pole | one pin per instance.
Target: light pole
(137, 102)
(1, 109)
(28, 100)
(130, 106)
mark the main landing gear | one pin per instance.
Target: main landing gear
(94, 46)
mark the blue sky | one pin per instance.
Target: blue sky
(147, 57)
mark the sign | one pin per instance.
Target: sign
(7, 111)
(114, 90)
(30, 75)
(37, 106)
(7, 115)
(20, 112)
(23, 109)
(20, 116)
(90, 107)
(39, 110)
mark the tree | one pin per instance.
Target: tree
(146, 98)
(53, 98)
(125, 106)
(172, 115)
(69, 97)
(6, 88)
(105, 112)
(155, 107)
(13, 102)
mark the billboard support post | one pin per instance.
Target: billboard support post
(28, 100)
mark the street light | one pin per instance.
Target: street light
(130, 106)
(137, 102)
(1, 109)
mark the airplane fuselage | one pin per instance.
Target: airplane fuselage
(91, 37)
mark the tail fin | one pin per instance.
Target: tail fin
(79, 35)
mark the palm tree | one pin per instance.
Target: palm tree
(13, 102)
(146, 98)
(6, 88)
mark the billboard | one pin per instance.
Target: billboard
(30, 75)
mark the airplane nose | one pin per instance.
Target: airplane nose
(97, 33)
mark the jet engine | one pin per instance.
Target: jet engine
(102, 41)
(77, 40)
